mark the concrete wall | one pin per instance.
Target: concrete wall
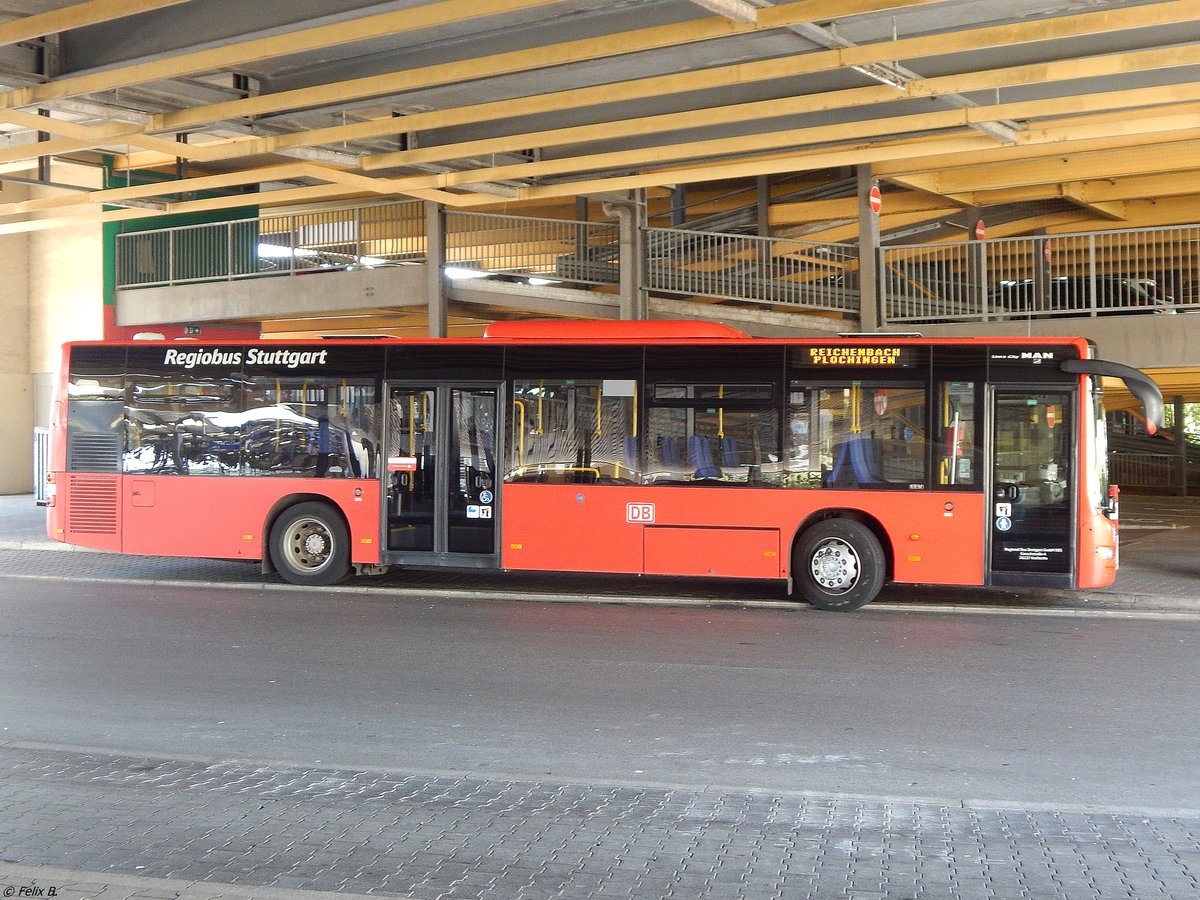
(275, 297)
(52, 291)
(16, 384)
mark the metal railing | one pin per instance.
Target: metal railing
(1142, 271)
(1150, 270)
(341, 238)
(803, 274)
(1142, 470)
(546, 250)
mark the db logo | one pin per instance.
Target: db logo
(639, 513)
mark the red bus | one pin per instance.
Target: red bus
(665, 448)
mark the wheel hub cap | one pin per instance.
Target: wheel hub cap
(314, 544)
(835, 566)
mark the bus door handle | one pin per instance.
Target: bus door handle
(1008, 492)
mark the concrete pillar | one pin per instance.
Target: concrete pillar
(868, 254)
(435, 250)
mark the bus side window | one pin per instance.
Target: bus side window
(713, 432)
(574, 431)
(954, 434)
(856, 435)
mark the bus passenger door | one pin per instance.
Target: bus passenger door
(1033, 484)
(411, 472)
(441, 474)
(471, 521)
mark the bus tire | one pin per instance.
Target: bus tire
(838, 565)
(310, 545)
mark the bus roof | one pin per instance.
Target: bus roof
(611, 330)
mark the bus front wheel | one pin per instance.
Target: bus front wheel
(838, 564)
(310, 545)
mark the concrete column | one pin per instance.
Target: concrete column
(868, 255)
(435, 251)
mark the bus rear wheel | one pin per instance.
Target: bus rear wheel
(838, 565)
(310, 545)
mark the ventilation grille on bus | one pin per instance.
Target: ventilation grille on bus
(93, 505)
(92, 452)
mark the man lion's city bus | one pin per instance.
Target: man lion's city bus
(659, 448)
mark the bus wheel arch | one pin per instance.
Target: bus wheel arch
(840, 560)
(308, 541)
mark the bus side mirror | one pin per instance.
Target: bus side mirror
(1112, 502)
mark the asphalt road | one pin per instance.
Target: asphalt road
(1028, 709)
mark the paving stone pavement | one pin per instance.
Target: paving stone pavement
(465, 836)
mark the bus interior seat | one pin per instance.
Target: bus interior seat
(855, 464)
(730, 458)
(630, 451)
(701, 457)
(668, 452)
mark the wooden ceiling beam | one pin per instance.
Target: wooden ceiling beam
(1136, 187)
(1043, 73)
(231, 55)
(822, 60)
(854, 131)
(1065, 166)
(78, 15)
(1113, 210)
(1142, 214)
(765, 165)
(82, 137)
(1167, 13)
(582, 50)
(664, 85)
(644, 39)
(783, 214)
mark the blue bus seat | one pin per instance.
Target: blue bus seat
(701, 457)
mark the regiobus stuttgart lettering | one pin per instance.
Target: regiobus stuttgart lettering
(289, 359)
